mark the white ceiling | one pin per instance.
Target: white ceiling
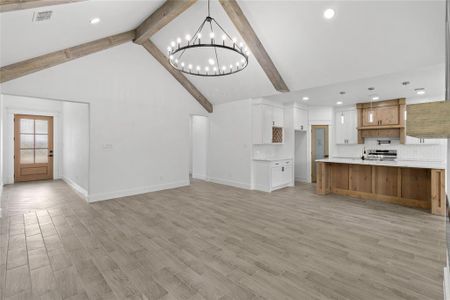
(365, 39)
(69, 26)
(387, 86)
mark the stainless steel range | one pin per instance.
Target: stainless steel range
(381, 154)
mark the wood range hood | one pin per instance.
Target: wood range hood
(382, 119)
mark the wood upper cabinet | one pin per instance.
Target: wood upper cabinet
(366, 121)
(382, 116)
(382, 119)
(388, 115)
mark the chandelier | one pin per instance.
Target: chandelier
(210, 52)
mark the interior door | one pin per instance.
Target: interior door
(319, 146)
(33, 148)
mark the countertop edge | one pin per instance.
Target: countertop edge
(401, 163)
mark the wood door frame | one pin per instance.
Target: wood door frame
(16, 147)
(313, 147)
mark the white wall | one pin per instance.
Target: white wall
(230, 151)
(27, 105)
(200, 132)
(139, 118)
(75, 135)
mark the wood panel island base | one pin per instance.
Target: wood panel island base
(417, 186)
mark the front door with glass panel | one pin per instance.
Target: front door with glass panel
(33, 147)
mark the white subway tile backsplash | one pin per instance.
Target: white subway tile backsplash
(404, 152)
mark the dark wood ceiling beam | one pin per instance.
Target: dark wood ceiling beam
(160, 18)
(42, 62)
(10, 5)
(162, 59)
(254, 44)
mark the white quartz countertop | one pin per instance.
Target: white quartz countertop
(273, 159)
(398, 163)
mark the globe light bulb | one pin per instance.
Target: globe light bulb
(190, 67)
(178, 40)
(211, 35)
(188, 37)
(182, 64)
(237, 64)
(172, 44)
(242, 60)
(215, 69)
(211, 61)
(176, 61)
(234, 40)
(169, 48)
(241, 44)
(231, 66)
(224, 37)
(224, 68)
(171, 57)
(206, 69)
(198, 68)
(199, 35)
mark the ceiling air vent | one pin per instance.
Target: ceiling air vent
(42, 16)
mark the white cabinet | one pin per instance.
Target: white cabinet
(277, 117)
(270, 175)
(345, 125)
(264, 118)
(417, 141)
(300, 119)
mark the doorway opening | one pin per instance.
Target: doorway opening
(199, 146)
(319, 146)
(45, 139)
(33, 147)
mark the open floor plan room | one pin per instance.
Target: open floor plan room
(224, 149)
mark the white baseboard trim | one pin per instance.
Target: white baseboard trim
(137, 191)
(261, 188)
(78, 189)
(230, 183)
(199, 176)
(301, 179)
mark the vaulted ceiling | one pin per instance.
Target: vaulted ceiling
(365, 39)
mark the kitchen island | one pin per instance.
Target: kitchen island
(416, 184)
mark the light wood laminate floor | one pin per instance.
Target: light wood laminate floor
(209, 241)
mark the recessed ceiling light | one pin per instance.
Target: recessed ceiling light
(328, 14)
(305, 98)
(339, 103)
(95, 20)
(420, 91)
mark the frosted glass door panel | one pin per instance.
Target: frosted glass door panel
(320, 143)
